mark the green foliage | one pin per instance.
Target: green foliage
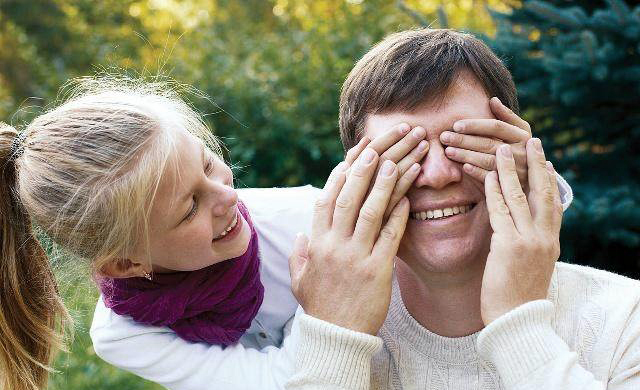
(578, 76)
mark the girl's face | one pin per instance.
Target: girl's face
(194, 219)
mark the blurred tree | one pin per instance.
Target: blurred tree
(577, 70)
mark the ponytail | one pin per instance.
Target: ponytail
(32, 315)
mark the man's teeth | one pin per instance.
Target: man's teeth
(441, 213)
(231, 226)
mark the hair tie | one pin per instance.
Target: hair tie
(17, 146)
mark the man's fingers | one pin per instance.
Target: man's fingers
(491, 128)
(504, 113)
(475, 172)
(297, 259)
(386, 245)
(470, 142)
(355, 151)
(482, 160)
(384, 141)
(349, 201)
(372, 211)
(325, 204)
(512, 192)
(557, 202)
(542, 196)
(402, 186)
(499, 214)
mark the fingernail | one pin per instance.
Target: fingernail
(445, 136)
(506, 151)
(418, 132)
(342, 167)
(423, 145)
(498, 99)
(404, 128)
(550, 167)
(458, 126)
(537, 144)
(367, 156)
(387, 168)
(449, 151)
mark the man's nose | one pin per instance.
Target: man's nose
(223, 198)
(437, 170)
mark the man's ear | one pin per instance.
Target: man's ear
(123, 268)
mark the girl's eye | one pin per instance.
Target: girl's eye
(193, 210)
(208, 168)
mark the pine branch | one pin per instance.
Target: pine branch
(413, 14)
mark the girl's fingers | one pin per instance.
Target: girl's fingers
(504, 113)
(386, 245)
(499, 214)
(470, 142)
(481, 160)
(402, 148)
(325, 204)
(402, 186)
(384, 141)
(370, 217)
(354, 152)
(416, 155)
(492, 128)
(512, 192)
(542, 195)
(349, 201)
(475, 172)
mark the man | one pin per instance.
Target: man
(477, 300)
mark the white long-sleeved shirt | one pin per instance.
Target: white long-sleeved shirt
(584, 336)
(157, 354)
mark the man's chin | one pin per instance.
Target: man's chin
(444, 257)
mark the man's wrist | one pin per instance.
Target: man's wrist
(334, 355)
(521, 341)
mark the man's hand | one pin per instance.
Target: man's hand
(474, 142)
(343, 274)
(526, 229)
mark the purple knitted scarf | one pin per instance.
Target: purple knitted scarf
(215, 304)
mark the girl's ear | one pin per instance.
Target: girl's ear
(123, 268)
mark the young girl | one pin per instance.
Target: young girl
(126, 175)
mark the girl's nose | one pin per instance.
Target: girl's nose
(224, 198)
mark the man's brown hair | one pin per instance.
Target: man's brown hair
(415, 67)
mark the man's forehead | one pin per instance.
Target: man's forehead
(434, 119)
(465, 99)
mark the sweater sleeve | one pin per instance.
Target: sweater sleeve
(159, 355)
(330, 357)
(528, 354)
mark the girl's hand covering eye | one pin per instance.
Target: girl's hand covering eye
(474, 142)
(402, 145)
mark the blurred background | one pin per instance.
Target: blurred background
(272, 71)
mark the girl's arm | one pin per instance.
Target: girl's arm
(159, 355)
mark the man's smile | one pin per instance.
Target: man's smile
(443, 212)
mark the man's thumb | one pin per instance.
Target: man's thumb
(299, 255)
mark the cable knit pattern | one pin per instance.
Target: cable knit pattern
(585, 335)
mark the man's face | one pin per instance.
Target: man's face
(443, 243)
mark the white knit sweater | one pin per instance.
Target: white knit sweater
(586, 335)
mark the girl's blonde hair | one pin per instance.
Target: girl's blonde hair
(85, 172)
